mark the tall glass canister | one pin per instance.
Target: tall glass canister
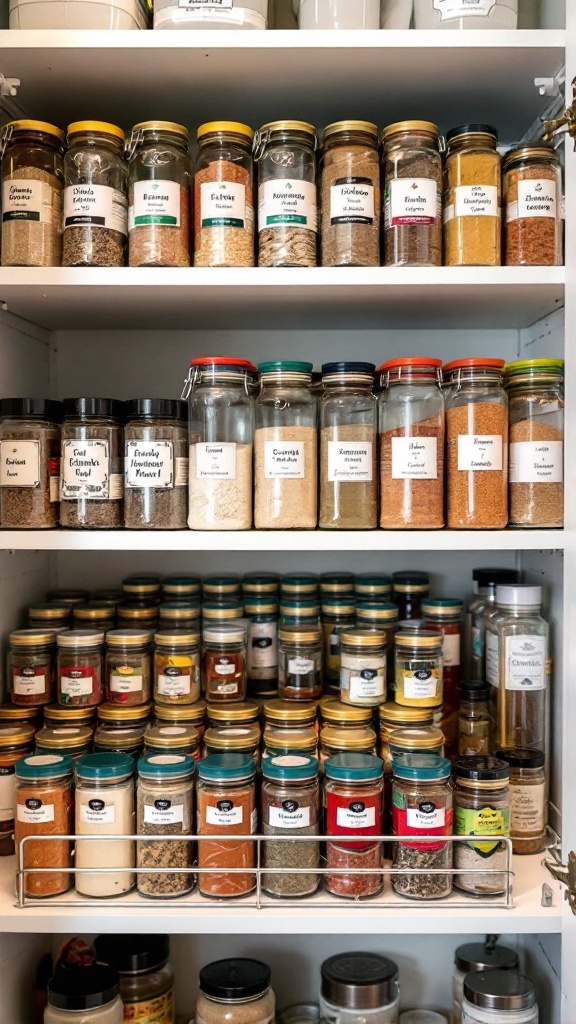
(350, 195)
(413, 195)
(223, 202)
(285, 153)
(159, 176)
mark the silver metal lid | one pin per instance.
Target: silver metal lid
(499, 990)
(476, 956)
(359, 981)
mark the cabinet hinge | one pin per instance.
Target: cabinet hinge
(565, 123)
(566, 874)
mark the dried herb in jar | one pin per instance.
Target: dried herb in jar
(413, 205)
(287, 211)
(422, 806)
(29, 463)
(290, 807)
(92, 464)
(32, 183)
(165, 807)
(350, 195)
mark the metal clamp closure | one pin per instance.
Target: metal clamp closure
(563, 125)
(136, 139)
(5, 136)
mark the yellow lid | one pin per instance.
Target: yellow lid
(127, 612)
(348, 739)
(385, 613)
(225, 126)
(248, 711)
(290, 739)
(16, 736)
(181, 713)
(335, 712)
(95, 126)
(416, 739)
(14, 713)
(49, 611)
(171, 737)
(351, 126)
(424, 639)
(92, 611)
(246, 737)
(363, 638)
(299, 634)
(292, 711)
(59, 713)
(121, 713)
(150, 588)
(166, 638)
(392, 713)
(64, 738)
(120, 739)
(30, 638)
(222, 611)
(162, 126)
(36, 126)
(411, 588)
(410, 126)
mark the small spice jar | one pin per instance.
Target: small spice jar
(499, 997)
(95, 196)
(476, 444)
(285, 448)
(412, 416)
(408, 591)
(474, 957)
(446, 616)
(44, 807)
(229, 716)
(425, 740)
(223, 587)
(474, 722)
(135, 616)
(383, 618)
(336, 739)
(56, 716)
(142, 590)
(16, 741)
(50, 616)
(422, 806)
(70, 597)
(31, 666)
(11, 714)
(90, 994)
(94, 616)
(159, 176)
(145, 972)
(290, 714)
(413, 194)
(155, 464)
(165, 807)
(535, 389)
(108, 740)
(290, 806)
(533, 200)
(373, 587)
(344, 716)
(235, 992)
(242, 739)
(123, 716)
(182, 714)
(348, 456)
(350, 195)
(260, 584)
(285, 153)
(32, 183)
(223, 187)
(176, 667)
(226, 795)
(299, 611)
(419, 669)
(262, 653)
(299, 584)
(359, 985)
(73, 740)
(181, 588)
(172, 739)
(472, 197)
(217, 613)
(179, 617)
(362, 667)
(224, 663)
(29, 461)
(104, 806)
(336, 584)
(528, 798)
(128, 666)
(92, 478)
(301, 739)
(338, 614)
(482, 808)
(299, 663)
(353, 807)
(80, 667)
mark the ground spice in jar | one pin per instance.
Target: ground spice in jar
(422, 806)
(156, 465)
(177, 667)
(528, 798)
(223, 201)
(482, 808)
(29, 463)
(290, 806)
(92, 464)
(539, 502)
(350, 195)
(159, 195)
(472, 197)
(353, 807)
(32, 183)
(44, 807)
(296, 508)
(235, 992)
(16, 741)
(32, 668)
(226, 805)
(164, 807)
(299, 662)
(128, 666)
(413, 205)
(80, 667)
(532, 196)
(224, 664)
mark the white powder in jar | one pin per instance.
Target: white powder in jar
(223, 499)
(101, 811)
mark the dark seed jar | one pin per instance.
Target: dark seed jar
(156, 464)
(95, 196)
(29, 462)
(92, 477)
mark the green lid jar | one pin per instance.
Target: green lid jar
(226, 804)
(299, 584)
(181, 588)
(373, 587)
(104, 806)
(261, 584)
(290, 805)
(422, 806)
(165, 806)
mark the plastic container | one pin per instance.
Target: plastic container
(89, 995)
(359, 987)
(337, 14)
(235, 14)
(145, 973)
(482, 807)
(458, 14)
(79, 14)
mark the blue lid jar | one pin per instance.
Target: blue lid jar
(351, 767)
(159, 767)
(290, 767)
(113, 767)
(226, 768)
(421, 767)
(36, 767)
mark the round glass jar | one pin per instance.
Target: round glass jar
(224, 587)
(427, 739)
(73, 740)
(499, 997)
(373, 587)
(176, 667)
(285, 448)
(32, 183)
(476, 444)
(532, 182)
(93, 616)
(142, 590)
(155, 465)
(260, 584)
(445, 615)
(181, 588)
(285, 154)
(226, 805)
(80, 667)
(262, 653)
(159, 178)
(299, 611)
(109, 739)
(528, 798)
(472, 197)
(290, 806)
(92, 480)
(235, 992)
(44, 807)
(182, 714)
(290, 714)
(300, 739)
(299, 663)
(142, 617)
(338, 614)
(90, 995)
(412, 194)
(145, 972)
(104, 806)
(172, 739)
(224, 662)
(353, 787)
(58, 717)
(128, 666)
(482, 808)
(363, 667)
(224, 227)
(50, 615)
(344, 716)
(336, 739)
(336, 584)
(408, 591)
(350, 195)
(31, 666)
(165, 807)
(419, 669)
(359, 985)
(299, 584)
(473, 957)
(95, 221)
(123, 716)
(12, 714)
(381, 618)
(230, 716)
(422, 806)
(184, 617)
(16, 741)
(535, 389)
(474, 722)
(243, 739)
(29, 461)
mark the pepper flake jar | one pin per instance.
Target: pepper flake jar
(226, 795)
(155, 465)
(413, 194)
(92, 464)
(353, 807)
(95, 196)
(45, 807)
(285, 152)
(223, 204)
(422, 806)
(472, 198)
(32, 184)
(350, 195)
(533, 199)
(159, 175)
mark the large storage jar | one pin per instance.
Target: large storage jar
(480, 14)
(341, 14)
(32, 183)
(244, 14)
(79, 14)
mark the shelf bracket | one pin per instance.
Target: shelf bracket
(566, 874)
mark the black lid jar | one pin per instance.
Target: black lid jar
(237, 991)
(92, 479)
(146, 976)
(29, 463)
(156, 464)
(88, 989)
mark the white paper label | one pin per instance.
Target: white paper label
(525, 667)
(286, 201)
(349, 460)
(290, 815)
(216, 5)
(224, 670)
(527, 807)
(492, 658)
(284, 459)
(125, 684)
(420, 684)
(451, 9)
(222, 204)
(414, 458)
(85, 470)
(352, 201)
(476, 201)
(97, 206)
(480, 452)
(300, 666)
(173, 684)
(537, 197)
(29, 680)
(163, 812)
(355, 816)
(224, 813)
(7, 793)
(536, 462)
(76, 687)
(34, 812)
(417, 818)
(97, 812)
(155, 202)
(149, 464)
(181, 472)
(24, 199)
(19, 463)
(451, 649)
(412, 201)
(368, 683)
(262, 649)
(215, 461)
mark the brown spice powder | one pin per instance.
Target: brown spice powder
(472, 240)
(286, 503)
(348, 504)
(537, 504)
(477, 498)
(43, 854)
(532, 241)
(220, 245)
(160, 245)
(412, 504)
(350, 244)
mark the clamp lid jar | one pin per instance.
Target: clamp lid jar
(285, 153)
(159, 175)
(95, 223)
(32, 184)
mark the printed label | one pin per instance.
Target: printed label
(222, 204)
(85, 470)
(488, 821)
(215, 461)
(19, 463)
(427, 819)
(155, 202)
(97, 206)
(300, 666)
(159, 1010)
(164, 812)
(414, 458)
(536, 198)
(290, 815)
(370, 682)
(126, 679)
(525, 667)
(422, 683)
(174, 681)
(223, 669)
(527, 808)
(450, 9)
(356, 816)
(284, 459)
(224, 813)
(149, 464)
(492, 658)
(24, 199)
(451, 649)
(34, 812)
(217, 5)
(536, 462)
(262, 649)
(97, 812)
(352, 201)
(480, 452)
(350, 461)
(77, 682)
(27, 680)
(476, 201)
(412, 201)
(7, 793)
(285, 201)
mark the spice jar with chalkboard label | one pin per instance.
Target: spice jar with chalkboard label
(226, 805)
(45, 807)
(353, 808)
(290, 806)
(29, 463)
(223, 202)
(422, 806)
(165, 807)
(32, 666)
(285, 153)
(155, 465)
(350, 195)
(482, 808)
(92, 464)
(472, 197)
(413, 195)
(32, 184)
(533, 200)
(95, 196)
(159, 175)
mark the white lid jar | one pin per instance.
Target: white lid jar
(359, 987)
(480, 14)
(235, 14)
(86, 996)
(499, 997)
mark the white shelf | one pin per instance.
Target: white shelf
(323, 297)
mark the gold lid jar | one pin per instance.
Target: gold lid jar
(344, 716)
(232, 715)
(243, 739)
(338, 740)
(60, 716)
(288, 714)
(173, 739)
(304, 740)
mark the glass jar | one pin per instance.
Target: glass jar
(363, 667)
(179, 617)
(93, 616)
(16, 741)
(172, 739)
(337, 584)
(159, 177)
(477, 445)
(419, 669)
(499, 997)
(350, 195)
(128, 666)
(104, 806)
(181, 588)
(411, 415)
(235, 992)
(482, 808)
(31, 666)
(223, 189)
(394, 716)
(338, 614)
(165, 807)
(225, 586)
(56, 716)
(478, 956)
(32, 183)
(474, 721)
(90, 995)
(224, 663)
(49, 616)
(336, 739)
(422, 806)
(373, 587)
(29, 461)
(485, 14)
(285, 152)
(535, 390)
(260, 584)
(472, 197)
(290, 806)
(299, 611)
(359, 985)
(44, 807)
(156, 464)
(226, 795)
(80, 667)
(92, 469)
(353, 807)
(344, 716)
(408, 591)
(296, 739)
(176, 667)
(299, 584)
(262, 653)
(229, 716)
(243, 739)
(290, 714)
(446, 617)
(69, 597)
(413, 194)
(182, 714)
(95, 196)
(348, 447)
(72, 740)
(285, 443)
(424, 740)
(11, 714)
(485, 583)
(383, 618)
(145, 972)
(109, 739)
(299, 663)
(142, 590)
(142, 617)
(528, 798)
(532, 180)
(124, 716)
